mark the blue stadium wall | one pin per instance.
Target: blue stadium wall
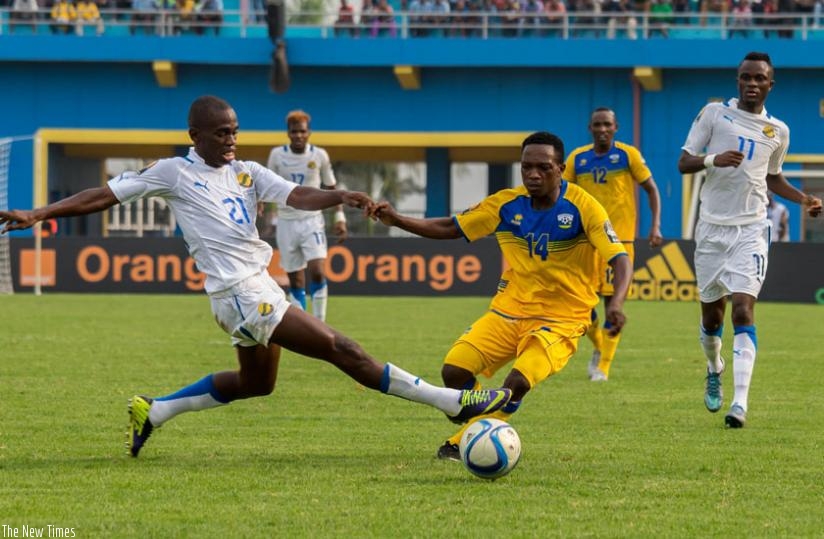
(496, 85)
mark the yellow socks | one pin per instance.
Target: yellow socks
(596, 335)
(610, 344)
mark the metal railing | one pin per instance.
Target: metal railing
(408, 25)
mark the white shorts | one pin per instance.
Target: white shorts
(730, 259)
(250, 310)
(301, 240)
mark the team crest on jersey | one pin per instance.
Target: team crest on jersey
(582, 163)
(517, 219)
(565, 220)
(147, 167)
(613, 237)
(244, 179)
(614, 158)
(769, 131)
(265, 309)
(312, 165)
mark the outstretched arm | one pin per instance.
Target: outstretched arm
(309, 198)
(779, 185)
(85, 202)
(655, 238)
(437, 228)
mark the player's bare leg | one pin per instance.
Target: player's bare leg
(308, 336)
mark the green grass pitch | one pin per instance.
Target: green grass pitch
(638, 456)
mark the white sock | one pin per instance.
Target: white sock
(319, 303)
(744, 349)
(400, 383)
(712, 349)
(162, 411)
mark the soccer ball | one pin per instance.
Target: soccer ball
(490, 448)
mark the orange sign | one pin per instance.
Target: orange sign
(48, 267)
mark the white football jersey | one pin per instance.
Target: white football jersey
(737, 195)
(311, 168)
(215, 208)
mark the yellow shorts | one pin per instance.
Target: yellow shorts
(497, 340)
(605, 273)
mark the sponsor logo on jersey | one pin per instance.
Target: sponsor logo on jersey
(666, 276)
(582, 162)
(610, 232)
(202, 184)
(265, 309)
(614, 158)
(769, 131)
(311, 165)
(565, 220)
(244, 179)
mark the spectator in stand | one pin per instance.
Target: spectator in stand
(805, 9)
(763, 7)
(741, 18)
(589, 22)
(660, 17)
(184, 16)
(209, 14)
(530, 24)
(785, 7)
(88, 14)
(63, 16)
(618, 17)
(144, 16)
(713, 12)
(367, 17)
(439, 17)
(459, 24)
(121, 8)
(511, 18)
(384, 24)
(554, 12)
(23, 10)
(346, 20)
(415, 10)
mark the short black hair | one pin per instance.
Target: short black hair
(758, 57)
(546, 138)
(203, 106)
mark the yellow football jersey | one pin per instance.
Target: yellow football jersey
(611, 179)
(550, 253)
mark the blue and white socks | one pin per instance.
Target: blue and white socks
(318, 293)
(198, 396)
(398, 382)
(744, 347)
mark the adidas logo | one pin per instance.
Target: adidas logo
(667, 277)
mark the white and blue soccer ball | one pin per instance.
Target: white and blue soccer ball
(490, 448)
